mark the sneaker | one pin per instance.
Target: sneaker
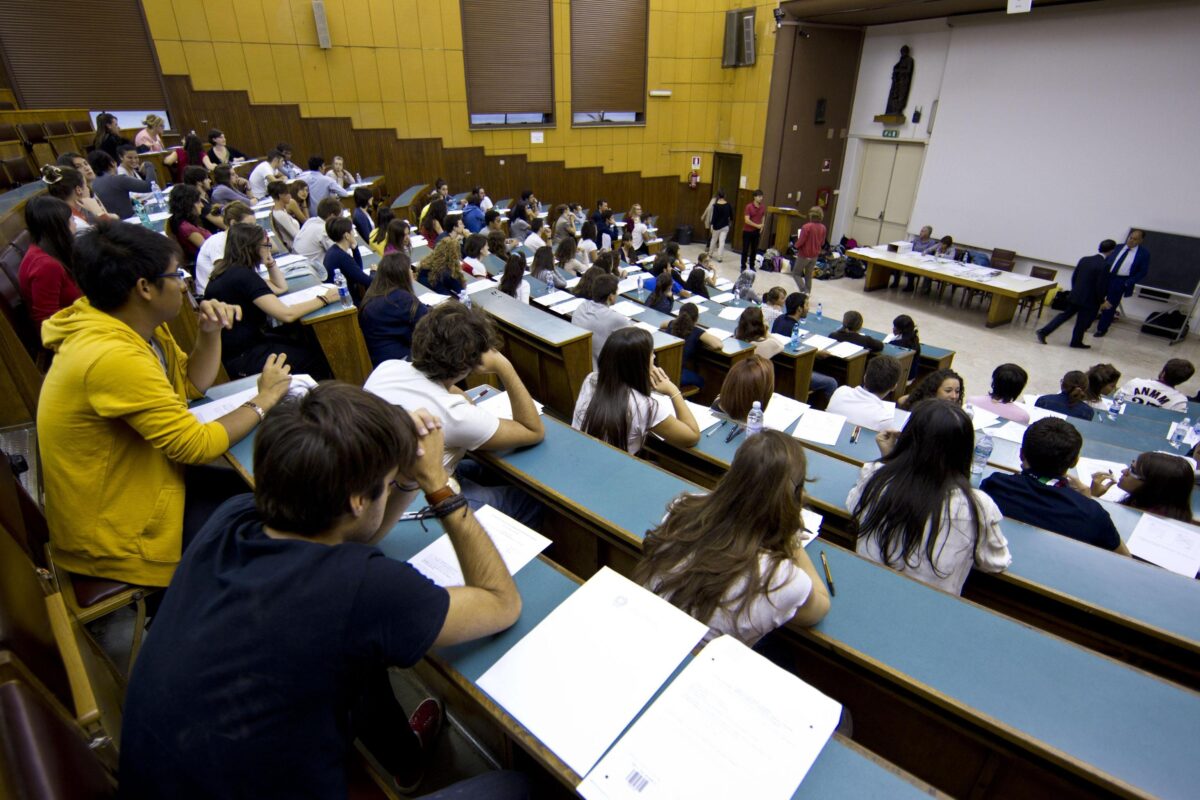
(1041, 336)
(426, 721)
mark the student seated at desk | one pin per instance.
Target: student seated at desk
(565, 257)
(584, 287)
(542, 268)
(377, 241)
(120, 450)
(313, 242)
(399, 238)
(1162, 391)
(364, 206)
(697, 283)
(512, 280)
(224, 188)
(596, 314)
(111, 187)
(390, 310)
(662, 298)
(213, 249)
(344, 256)
(67, 184)
(684, 327)
(1158, 483)
(271, 652)
(942, 384)
(1044, 495)
(1102, 381)
(433, 221)
(475, 249)
(247, 345)
(795, 309)
(539, 237)
(587, 247)
(750, 329)
(774, 300)
(867, 405)
(283, 223)
(1072, 400)
(615, 405)
(44, 277)
(298, 205)
(184, 223)
(748, 380)
(732, 558)
(907, 336)
(1008, 380)
(743, 287)
(915, 509)
(449, 343)
(210, 214)
(441, 270)
(851, 331)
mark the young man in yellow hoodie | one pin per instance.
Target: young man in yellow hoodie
(113, 425)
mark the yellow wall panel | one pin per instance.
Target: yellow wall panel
(366, 74)
(371, 115)
(383, 23)
(261, 69)
(160, 17)
(223, 25)
(231, 63)
(303, 22)
(315, 72)
(418, 120)
(280, 25)
(288, 73)
(429, 21)
(413, 69)
(454, 88)
(358, 30)
(202, 65)
(171, 57)
(439, 118)
(452, 24)
(191, 20)
(406, 24)
(391, 75)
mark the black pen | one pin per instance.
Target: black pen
(828, 577)
(714, 430)
(733, 433)
(854, 434)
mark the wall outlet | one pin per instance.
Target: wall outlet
(502, 162)
(795, 127)
(829, 134)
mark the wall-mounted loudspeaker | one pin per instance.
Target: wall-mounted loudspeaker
(322, 24)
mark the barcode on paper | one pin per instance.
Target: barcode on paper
(637, 780)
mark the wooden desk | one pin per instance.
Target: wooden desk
(783, 218)
(1005, 290)
(338, 334)
(404, 203)
(374, 183)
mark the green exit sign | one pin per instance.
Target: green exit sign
(891, 134)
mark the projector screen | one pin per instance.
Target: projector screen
(1058, 129)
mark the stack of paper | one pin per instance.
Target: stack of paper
(304, 295)
(703, 415)
(694, 300)
(812, 526)
(982, 418)
(433, 298)
(822, 343)
(1171, 545)
(518, 545)
(568, 308)
(782, 411)
(845, 350)
(627, 285)
(628, 308)
(218, 408)
(731, 313)
(731, 725)
(724, 297)
(499, 403)
(555, 297)
(579, 677)
(819, 426)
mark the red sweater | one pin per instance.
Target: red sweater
(811, 239)
(46, 287)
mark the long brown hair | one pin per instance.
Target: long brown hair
(750, 325)
(748, 380)
(241, 248)
(711, 544)
(394, 273)
(1166, 488)
(444, 259)
(1074, 385)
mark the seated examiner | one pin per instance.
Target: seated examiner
(115, 435)
(1044, 495)
(270, 654)
(732, 558)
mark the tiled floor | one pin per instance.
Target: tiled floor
(978, 349)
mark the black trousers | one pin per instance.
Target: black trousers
(1084, 316)
(749, 248)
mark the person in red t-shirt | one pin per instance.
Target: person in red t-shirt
(808, 246)
(46, 285)
(752, 229)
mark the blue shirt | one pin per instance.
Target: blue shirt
(320, 187)
(387, 324)
(349, 264)
(473, 218)
(1053, 507)
(784, 324)
(1062, 404)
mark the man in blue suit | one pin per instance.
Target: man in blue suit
(1127, 266)
(1089, 285)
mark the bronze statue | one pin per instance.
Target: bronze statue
(901, 83)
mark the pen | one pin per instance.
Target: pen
(714, 430)
(828, 577)
(854, 434)
(733, 433)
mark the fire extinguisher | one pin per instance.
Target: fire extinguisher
(693, 179)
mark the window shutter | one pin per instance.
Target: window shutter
(508, 53)
(94, 54)
(608, 55)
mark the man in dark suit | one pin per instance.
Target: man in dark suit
(1089, 285)
(1127, 266)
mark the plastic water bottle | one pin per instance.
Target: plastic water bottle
(794, 345)
(754, 420)
(1180, 431)
(160, 202)
(820, 312)
(983, 451)
(1196, 429)
(969, 410)
(139, 209)
(464, 298)
(1117, 406)
(358, 177)
(339, 280)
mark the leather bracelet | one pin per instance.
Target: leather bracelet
(448, 506)
(441, 494)
(256, 408)
(324, 300)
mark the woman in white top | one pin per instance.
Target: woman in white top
(773, 307)
(475, 249)
(915, 508)
(587, 250)
(751, 329)
(1102, 381)
(638, 231)
(283, 223)
(732, 558)
(512, 281)
(615, 405)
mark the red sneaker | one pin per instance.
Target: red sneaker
(426, 721)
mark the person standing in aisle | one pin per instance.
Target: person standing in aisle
(808, 246)
(721, 219)
(1127, 267)
(1089, 284)
(752, 227)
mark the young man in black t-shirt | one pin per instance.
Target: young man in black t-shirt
(269, 655)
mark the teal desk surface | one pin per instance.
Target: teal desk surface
(408, 195)
(14, 197)
(1106, 717)
(548, 327)
(1161, 414)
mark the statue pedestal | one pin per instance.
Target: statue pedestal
(890, 119)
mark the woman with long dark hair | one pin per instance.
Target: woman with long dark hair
(398, 238)
(906, 335)
(696, 282)
(298, 205)
(615, 405)
(565, 256)
(377, 241)
(752, 329)
(185, 224)
(942, 384)
(246, 346)
(1102, 381)
(748, 380)
(1072, 399)
(44, 275)
(662, 299)
(67, 184)
(1159, 483)
(220, 153)
(512, 280)
(108, 135)
(684, 327)
(587, 244)
(543, 270)
(225, 188)
(434, 221)
(915, 508)
(390, 310)
(732, 558)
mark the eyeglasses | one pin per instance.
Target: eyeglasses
(1133, 471)
(177, 274)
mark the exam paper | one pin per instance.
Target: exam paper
(1009, 432)
(782, 411)
(304, 295)
(731, 313)
(560, 296)
(289, 260)
(481, 285)
(732, 724)
(579, 677)
(982, 418)
(500, 403)
(812, 526)
(517, 544)
(218, 408)
(844, 350)
(627, 285)
(571, 284)
(1170, 545)
(819, 426)
(724, 283)
(1036, 413)
(786, 341)
(364, 251)
(724, 297)
(694, 300)
(646, 326)
(568, 308)
(822, 343)
(704, 417)
(720, 333)
(628, 308)
(1087, 467)
(433, 298)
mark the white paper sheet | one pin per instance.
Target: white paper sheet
(694, 300)
(1087, 467)
(1170, 545)
(724, 283)
(982, 418)
(627, 285)
(1036, 413)
(578, 678)
(569, 306)
(783, 340)
(720, 333)
(1010, 432)
(812, 526)
(731, 313)
(499, 403)
(731, 725)
(571, 284)
(782, 412)
(628, 308)
(704, 417)
(646, 326)
(481, 285)
(822, 343)
(724, 297)
(845, 350)
(289, 260)
(433, 298)
(364, 251)
(304, 295)
(559, 296)
(900, 419)
(517, 544)
(220, 407)
(819, 426)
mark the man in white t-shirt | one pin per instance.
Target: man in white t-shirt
(596, 314)
(213, 249)
(451, 342)
(312, 242)
(265, 172)
(866, 405)
(1162, 392)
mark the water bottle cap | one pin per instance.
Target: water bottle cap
(756, 404)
